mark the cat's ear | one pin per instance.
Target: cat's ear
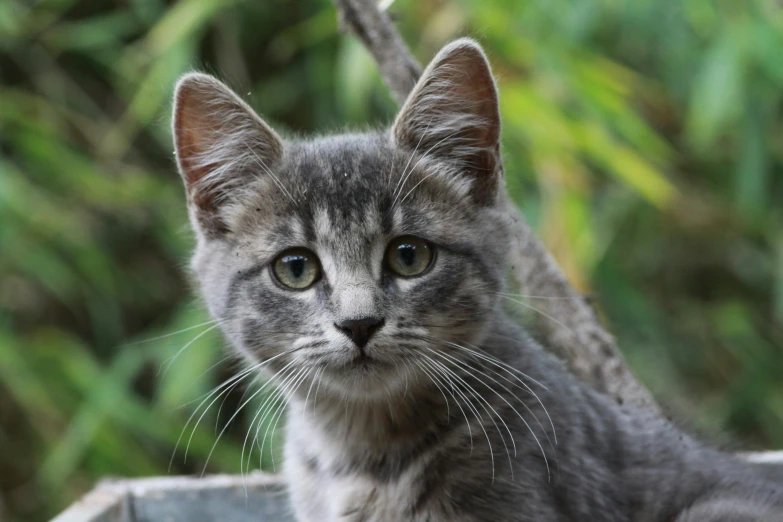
(220, 142)
(453, 114)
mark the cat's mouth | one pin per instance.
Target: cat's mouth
(365, 374)
(364, 360)
(348, 362)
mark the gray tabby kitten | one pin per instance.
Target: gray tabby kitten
(365, 271)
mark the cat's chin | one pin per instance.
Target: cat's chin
(364, 377)
(361, 367)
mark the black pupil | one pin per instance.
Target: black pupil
(407, 254)
(296, 264)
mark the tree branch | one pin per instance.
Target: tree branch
(399, 68)
(572, 331)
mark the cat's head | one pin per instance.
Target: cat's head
(356, 256)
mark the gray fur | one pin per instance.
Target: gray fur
(455, 413)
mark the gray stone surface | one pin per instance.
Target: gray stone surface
(256, 497)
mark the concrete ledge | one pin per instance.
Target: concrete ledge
(766, 457)
(230, 498)
(257, 496)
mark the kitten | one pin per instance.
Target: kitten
(365, 272)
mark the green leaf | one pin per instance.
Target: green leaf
(716, 101)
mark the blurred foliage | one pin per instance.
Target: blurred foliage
(643, 139)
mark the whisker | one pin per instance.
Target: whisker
(423, 156)
(241, 398)
(422, 180)
(255, 366)
(295, 386)
(482, 402)
(527, 425)
(238, 377)
(255, 394)
(206, 410)
(272, 401)
(389, 403)
(434, 378)
(228, 390)
(168, 362)
(434, 381)
(497, 362)
(411, 156)
(407, 367)
(317, 387)
(470, 430)
(312, 382)
(272, 175)
(526, 305)
(281, 376)
(208, 370)
(525, 386)
(479, 418)
(172, 334)
(553, 298)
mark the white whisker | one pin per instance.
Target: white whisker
(428, 361)
(411, 158)
(274, 400)
(168, 362)
(527, 425)
(553, 298)
(172, 334)
(283, 374)
(241, 407)
(525, 386)
(235, 379)
(295, 386)
(402, 184)
(484, 405)
(553, 319)
(272, 175)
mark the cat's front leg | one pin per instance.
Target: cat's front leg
(731, 510)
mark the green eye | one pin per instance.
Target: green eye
(409, 256)
(297, 268)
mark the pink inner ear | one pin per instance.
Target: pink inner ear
(453, 114)
(193, 133)
(468, 74)
(456, 96)
(215, 132)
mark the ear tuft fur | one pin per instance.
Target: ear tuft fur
(216, 136)
(453, 114)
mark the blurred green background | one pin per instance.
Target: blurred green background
(643, 140)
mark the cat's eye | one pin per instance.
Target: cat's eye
(297, 268)
(409, 256)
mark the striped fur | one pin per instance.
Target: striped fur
(454, 412)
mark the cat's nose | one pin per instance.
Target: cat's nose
(360, 330)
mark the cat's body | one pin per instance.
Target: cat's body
(609, 464)
(366, 273)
